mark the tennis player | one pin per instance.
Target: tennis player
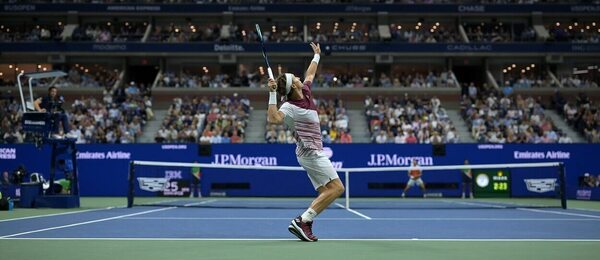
(299, 114)
(414, 175)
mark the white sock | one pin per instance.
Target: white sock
(308, 215)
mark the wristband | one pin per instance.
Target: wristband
(272, 98)
(316, 58)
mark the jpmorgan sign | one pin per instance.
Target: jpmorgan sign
(397, 160)
(238, 159)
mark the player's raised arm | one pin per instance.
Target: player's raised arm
(273, 115)
(312, 68)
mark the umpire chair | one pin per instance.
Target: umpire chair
(40, 125)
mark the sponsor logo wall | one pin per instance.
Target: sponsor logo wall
(103, 168)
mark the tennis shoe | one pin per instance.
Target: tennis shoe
(302, 230)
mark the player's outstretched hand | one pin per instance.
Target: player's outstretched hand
(272, 85)
(316, 48)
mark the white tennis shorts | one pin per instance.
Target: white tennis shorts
(319, 169)
(412, 182)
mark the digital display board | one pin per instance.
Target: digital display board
(491, 183)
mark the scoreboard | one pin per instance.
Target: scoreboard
(491, 183)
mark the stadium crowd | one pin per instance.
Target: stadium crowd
(578, 81)
(110, 32)
(499, 32)
(424, 33)
(430, 79)
(118, 118)
(30, 32)
(186, 79)
(527, 80)
(409, 120)
(338, 31)
(496, 118)
(10, 120)
(574, 32)
(582, 114)
(205, 120)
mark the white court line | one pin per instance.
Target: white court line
(86, 222)
(560, 213)
(353, 211)
(483, 205)
(199, 203)
(57, 214)
(358, 219)
(320, 239)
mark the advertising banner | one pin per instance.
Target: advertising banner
(103, 169)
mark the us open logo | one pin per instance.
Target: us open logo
(540, 185)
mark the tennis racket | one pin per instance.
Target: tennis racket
(264, 51)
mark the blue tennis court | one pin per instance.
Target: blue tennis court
(417, 228)
(336, 223)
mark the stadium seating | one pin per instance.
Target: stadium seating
(409, 120)
(495, 118)
(205, 120)
(581, 113)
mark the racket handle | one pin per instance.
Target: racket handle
(270, 73)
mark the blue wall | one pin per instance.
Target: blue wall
(103, 168)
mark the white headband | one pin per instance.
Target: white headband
(288, 83)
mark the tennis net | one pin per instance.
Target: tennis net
(526, 185)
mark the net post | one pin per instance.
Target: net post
(563, 184)
(347, 188)
(131, 179)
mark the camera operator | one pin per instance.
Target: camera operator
(52, 103)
